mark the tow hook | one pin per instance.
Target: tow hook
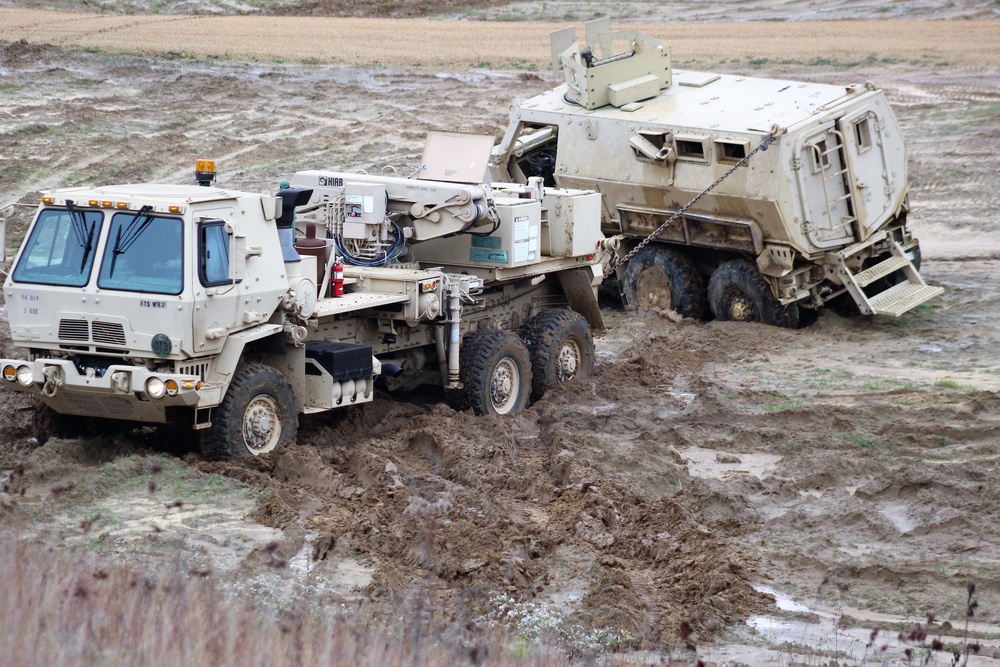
(53, 380)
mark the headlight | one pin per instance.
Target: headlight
(25, 376)
(9, 373)
(172, 387)
(155, 387)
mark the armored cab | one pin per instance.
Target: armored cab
(740, 197)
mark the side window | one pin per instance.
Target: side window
(653, 146)
(534, 154)
(729, 151)
(213, 254)
(693, 149)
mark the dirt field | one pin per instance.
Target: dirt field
(505, 44)
(847, 470)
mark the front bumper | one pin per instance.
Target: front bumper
(122, 392)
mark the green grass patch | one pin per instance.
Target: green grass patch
(784, 406)
(859, 439)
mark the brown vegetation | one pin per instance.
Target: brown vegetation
(375, 8)
(72, 609)
(427, 43)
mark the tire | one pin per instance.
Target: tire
(257, 415)
(48, 423)
(659, 278)
(495, 373)
(738, 292)
(561, 347)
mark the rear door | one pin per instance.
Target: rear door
(862, 132)
(827, 200)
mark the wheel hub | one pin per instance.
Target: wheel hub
(504, 386)
(652, 290)
(569, 360)
(741, 309)
(261, 425)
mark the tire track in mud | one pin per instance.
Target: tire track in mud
(512, 502)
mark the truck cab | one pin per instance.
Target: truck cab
(133, 289)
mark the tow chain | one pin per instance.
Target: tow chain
(762, 146)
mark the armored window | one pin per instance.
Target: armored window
(730, 152)
(653, 146)
(692, 149)
(143, 253)
(820, 156)
(862, 134)
(213, 254)
(61, 248)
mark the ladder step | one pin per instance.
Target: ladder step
(870, 275)
(903, 297)
(858, 247)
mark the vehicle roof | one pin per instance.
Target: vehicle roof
(714, 102)
(152, 192)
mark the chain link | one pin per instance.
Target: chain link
(762, 146)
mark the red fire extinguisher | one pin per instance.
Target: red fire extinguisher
(338, 278)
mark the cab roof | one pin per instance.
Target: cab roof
(152, 192)
(714, 103)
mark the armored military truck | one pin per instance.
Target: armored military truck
(227, 312)
(745, 198)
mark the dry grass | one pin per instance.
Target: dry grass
(60, 609)
(417, 42)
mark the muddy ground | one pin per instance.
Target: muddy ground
(847, 470)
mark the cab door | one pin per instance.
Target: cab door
(217, 293)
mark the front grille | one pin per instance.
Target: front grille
(109, 333)
(74, 330)
(199, 368)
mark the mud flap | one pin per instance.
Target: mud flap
(581, 293)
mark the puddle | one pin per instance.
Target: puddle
(782, 600)
(898, 515)
(715, 464)
(822, 635)
(302, 563)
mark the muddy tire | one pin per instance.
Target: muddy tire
(659, 279)
(561, 346)
(257, 415)
(48, 424)
(495, 373)
(738, 292)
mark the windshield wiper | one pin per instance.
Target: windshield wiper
(79, 221)
(132, 233)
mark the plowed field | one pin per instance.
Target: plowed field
(788, 491)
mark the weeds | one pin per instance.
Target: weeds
(532, 624)
(65, 608)
(858, 439)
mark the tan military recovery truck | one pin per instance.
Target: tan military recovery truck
(190, 305)
(749, 198)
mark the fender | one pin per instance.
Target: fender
(225, 363)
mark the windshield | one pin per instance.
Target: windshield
(143, 253)
(60, 248)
